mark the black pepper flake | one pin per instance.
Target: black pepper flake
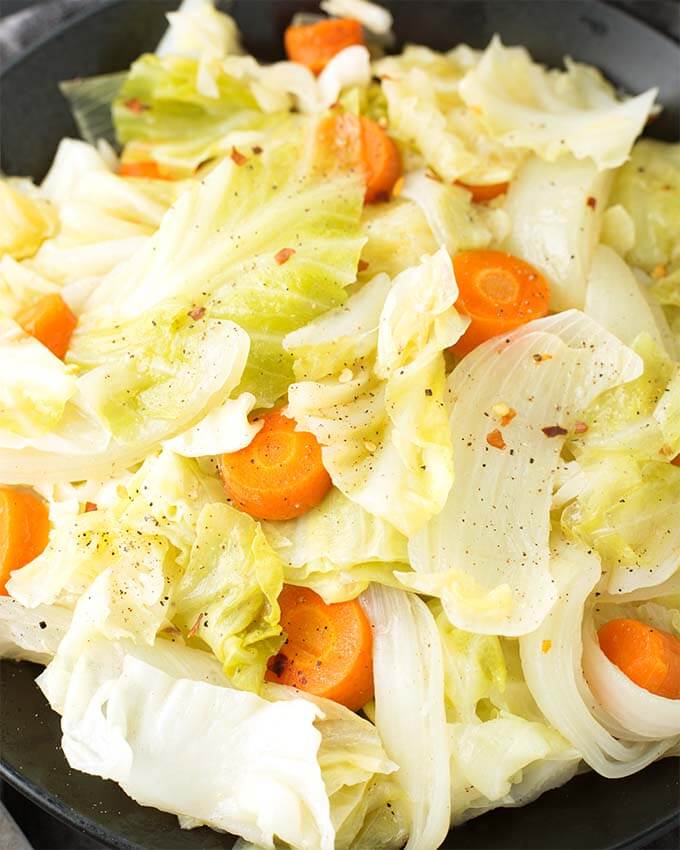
(42, 624)
(428, 391)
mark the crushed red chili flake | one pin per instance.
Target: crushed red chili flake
(90, 506)
(554, 431)
(676, 460)
(197, 313)
(257, 150)
(363, 265)
(284, 255)
(134, 104)
(592, 202)
(495, 439)
(196, 626)
(541, 358)
(546, 646)
(580, 427)
(238, 157)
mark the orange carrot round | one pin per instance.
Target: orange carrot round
(648, 656)
(481, 194)
(24, 528)
(358, 143)
(280, 474)
(328, 648)
(314, 45)
(142, 168)
(51, 322)
(381, 161)
(498, 292)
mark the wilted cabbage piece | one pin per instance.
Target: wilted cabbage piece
(27, 220)
(648, 188)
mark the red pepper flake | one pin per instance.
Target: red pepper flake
(197, 313)
(554, 431)
(284, 255)
(363, 265)
(134, 104)
(257, 150)
(238, 157)
(546, 646)
(504, 413)
(580, 427)
(541, 358)
(196, 626)
(90, 506)
(495, 439)
(676, 460)
(592, 202)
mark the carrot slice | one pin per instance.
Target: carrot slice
(359, 143)
(498, 292)
(328, 648)
(141, 168)
(280, 474)
(51, 322)
(24, 528)
(481, 194)
(648, 656)
(314, 45)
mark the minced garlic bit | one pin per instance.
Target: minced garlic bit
(659, 272)
(345, 376)
(398, 187)
(495, 438)
(546, 646)
(369, 446)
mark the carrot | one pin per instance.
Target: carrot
(648, 656)
(481, 194)
(142, 168)
(498, 292)
(328, 648)
(280, 474)
(314, 45)
(51, 322)
(24, 527)
(356, 142)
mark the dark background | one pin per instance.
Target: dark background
(22, 22)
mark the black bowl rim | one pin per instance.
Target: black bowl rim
(71, 816)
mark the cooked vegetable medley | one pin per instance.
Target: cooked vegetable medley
(340, 431)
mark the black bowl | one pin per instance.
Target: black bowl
(589, 812)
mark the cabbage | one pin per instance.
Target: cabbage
(169, 112)
(36, 386)
(426, 112)
(228, 594)
(522, 105)
(397, 235)
(198, 31)
(409, 708)
(26, 221)
(337, 548)
(373, 391)
(454, 221)
(616, 300)
(31, 634)
(161, 722)
(375, 18)
(225, 429)
(648, 188)
(551, 659)
(90, 100)
(556, 211)
(628, 510)
(474, 554)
